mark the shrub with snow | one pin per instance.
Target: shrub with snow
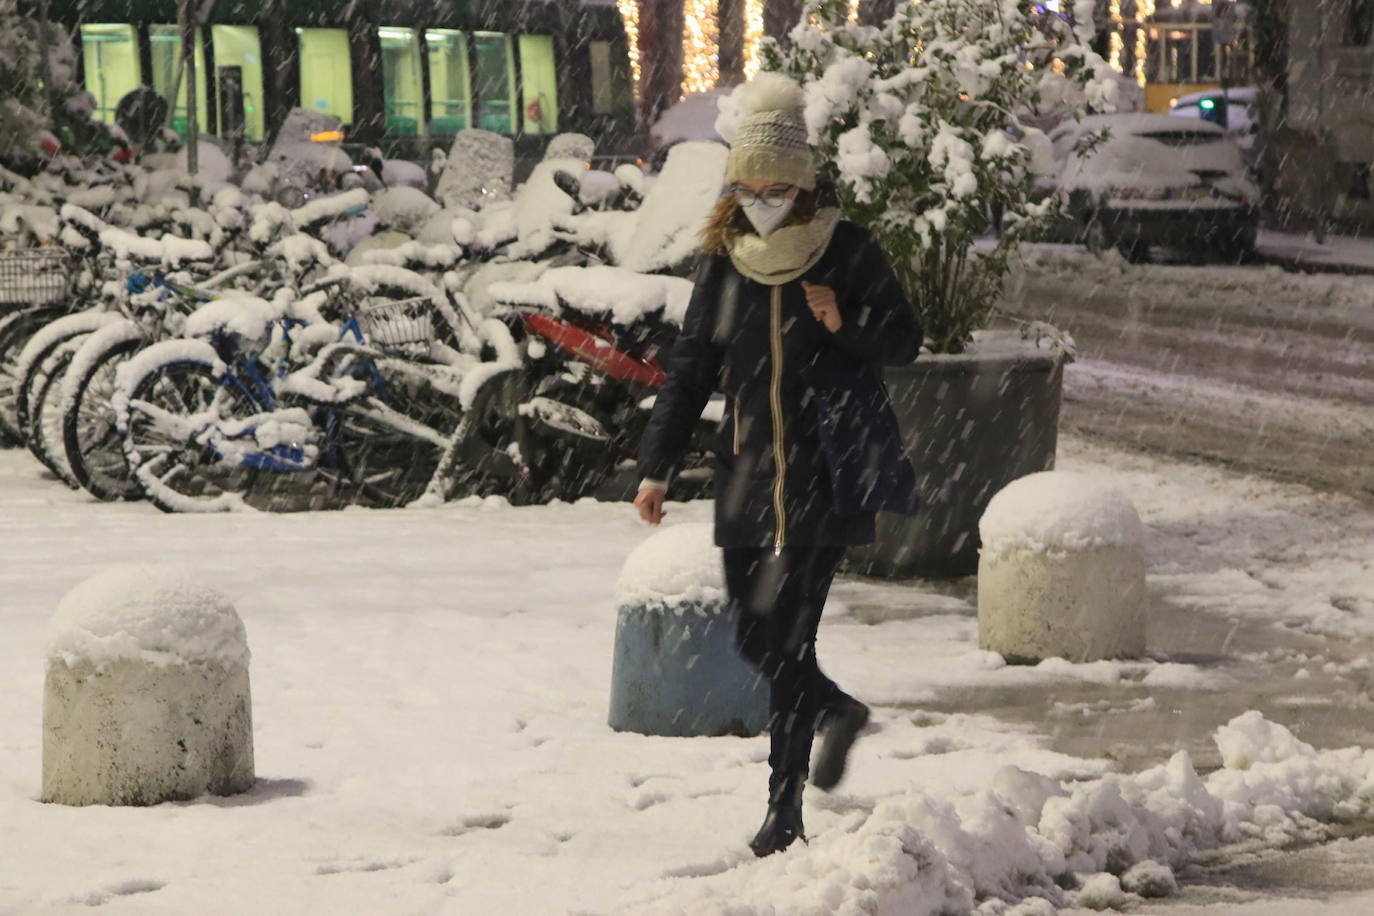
(1150, 879)
(923, 123)
(1101, 892)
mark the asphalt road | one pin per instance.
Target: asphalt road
(1263, 370)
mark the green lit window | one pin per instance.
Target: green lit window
(326, 74)
(450, 99)
(401, 88)
(237, 46)
(494, 82)
(169, 80)
(110, 56)
(539, 83)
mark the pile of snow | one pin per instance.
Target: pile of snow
(247, 316)
(405, 209)
(541, 205)
(1057, 512)
(664, 232)
(677, 565)
(623, 294)
(693, 118)
(149, 614)
(1011, 848)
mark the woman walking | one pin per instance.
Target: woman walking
(793, 312)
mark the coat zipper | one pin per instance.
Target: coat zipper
(736, 426)
(775, 400)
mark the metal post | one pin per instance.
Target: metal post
(187, 21)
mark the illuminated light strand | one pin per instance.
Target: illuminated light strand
(753, 36)
(700, 46)
(1115, 43)
(1144, 10)
(854, 10)
(629, 14)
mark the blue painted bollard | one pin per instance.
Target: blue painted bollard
(676, 671)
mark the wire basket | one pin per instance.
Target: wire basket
(399, 323)
(33, 276)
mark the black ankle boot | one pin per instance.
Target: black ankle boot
(842, 723)
(783, 824)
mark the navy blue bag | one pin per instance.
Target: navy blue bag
(870, 470)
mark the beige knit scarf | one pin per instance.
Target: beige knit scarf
(787, 253)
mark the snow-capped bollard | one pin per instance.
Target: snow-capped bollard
(1062, 571)
(676, 670)
(146, 698)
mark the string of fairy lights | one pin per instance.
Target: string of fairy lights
(701, 39)
(753, 36)
(629, 12)
(700, 46)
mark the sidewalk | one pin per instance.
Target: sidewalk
(430, 695)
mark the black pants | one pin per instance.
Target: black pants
(779, 600)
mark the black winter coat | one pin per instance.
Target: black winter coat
(765, 357)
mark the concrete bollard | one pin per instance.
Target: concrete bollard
(1062, 571)
(147, 696)
(675, 669)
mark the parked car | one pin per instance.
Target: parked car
(1152, 180)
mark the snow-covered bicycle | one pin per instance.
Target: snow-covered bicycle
(277, 408)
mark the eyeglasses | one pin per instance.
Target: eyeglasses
(769, 197)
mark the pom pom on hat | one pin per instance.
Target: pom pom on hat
(769, 91)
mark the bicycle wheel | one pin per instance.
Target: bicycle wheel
(384, 458)
(15, 330)
(169, 409)
(90, 434)
(43, 435)
(43, 343)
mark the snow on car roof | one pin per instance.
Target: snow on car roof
(1138, 124)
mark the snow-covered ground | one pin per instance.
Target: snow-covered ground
(1257, 367)
(1336, 251)
(431, 691)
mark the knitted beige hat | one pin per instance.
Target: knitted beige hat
(769, 134)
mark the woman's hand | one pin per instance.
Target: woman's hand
(649, 502)
(821, 299)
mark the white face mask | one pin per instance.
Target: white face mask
(766, 219)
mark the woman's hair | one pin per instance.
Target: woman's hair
(727, 221)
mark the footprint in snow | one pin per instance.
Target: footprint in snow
(646, 798)
(362, 865)
(125, 888)
(489, 820)
(703, 869)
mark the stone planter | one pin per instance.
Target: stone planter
(973, 423)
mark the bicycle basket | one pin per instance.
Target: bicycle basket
(399, 322)
(33, 276)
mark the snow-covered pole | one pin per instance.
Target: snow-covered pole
(187, 20)
(146, 697)
(191, 18)
(675, 669)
